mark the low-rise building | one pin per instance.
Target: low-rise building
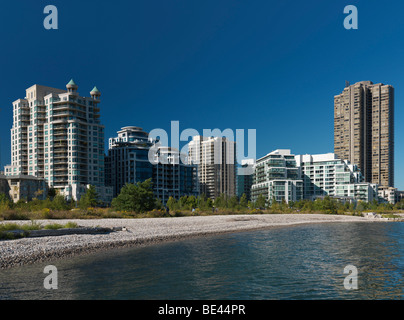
(326, 175)
(4, 187)
(388, 195)
(400, 196)
(23, 187)
(277, 178)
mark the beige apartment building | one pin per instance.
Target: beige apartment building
(216, 161)
(57, 136)
(364, 130)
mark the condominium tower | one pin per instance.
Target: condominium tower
(127, 160)
(216, 161)
(245, 175)
(173, 177)
(326, 175)
(57, 135)
(277, 178)
(364, 130)
(135, 157)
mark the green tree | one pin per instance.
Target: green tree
(299, 204)
(233, 202)
(158, 204)
(275, 205)
(90, 198)
(209, 203)
(283, 206)
(202, 202)
(260, 202)
(374, 205)
(5, 202)
(308, 206)
(243, 201)
(171, 203)
(51, 193)
(399, 205)
(221, 201)
(4, 198)
(135, 197)
(191, 202)
(59, 203)
(360, 206)
(329, 205)
(182, 203)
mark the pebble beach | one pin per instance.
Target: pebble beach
(145, 231)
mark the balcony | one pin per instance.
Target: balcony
(60, 132)
(60, 161)
(59, 168)
(59, 182)
(60, 155)
(60, 143)
(60, 174)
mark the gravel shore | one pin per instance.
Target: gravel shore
(137, 232)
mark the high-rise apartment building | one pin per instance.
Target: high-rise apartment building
(277, 178)
(245, 175)
(127, 160)
(216, 160)
(135, 157)
(364, 130)
(173, 177)
(57, 135)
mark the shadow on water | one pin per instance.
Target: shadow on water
(300, 262)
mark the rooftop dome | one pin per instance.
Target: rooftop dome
(71, 84)
(95, 92)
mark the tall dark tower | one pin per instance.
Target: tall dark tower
(364, 130)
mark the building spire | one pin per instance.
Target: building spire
(71, 86)
(95, 93)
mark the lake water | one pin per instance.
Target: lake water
(300, 262)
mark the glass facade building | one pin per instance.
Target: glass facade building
(245, 173)
(134, 157)
(277, 178)
(127, 160)
(173, 177)
(326, 175)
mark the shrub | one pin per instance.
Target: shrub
(89, 199)
(157, 214)
(14, 215)
(46, 213)
(137, 197)
(53, 226)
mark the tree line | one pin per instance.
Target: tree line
(139, 198)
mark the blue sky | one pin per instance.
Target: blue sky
(273, 66)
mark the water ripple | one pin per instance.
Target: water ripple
(301, 262)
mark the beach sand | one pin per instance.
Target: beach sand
(145, 231)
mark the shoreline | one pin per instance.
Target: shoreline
(145, 231)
